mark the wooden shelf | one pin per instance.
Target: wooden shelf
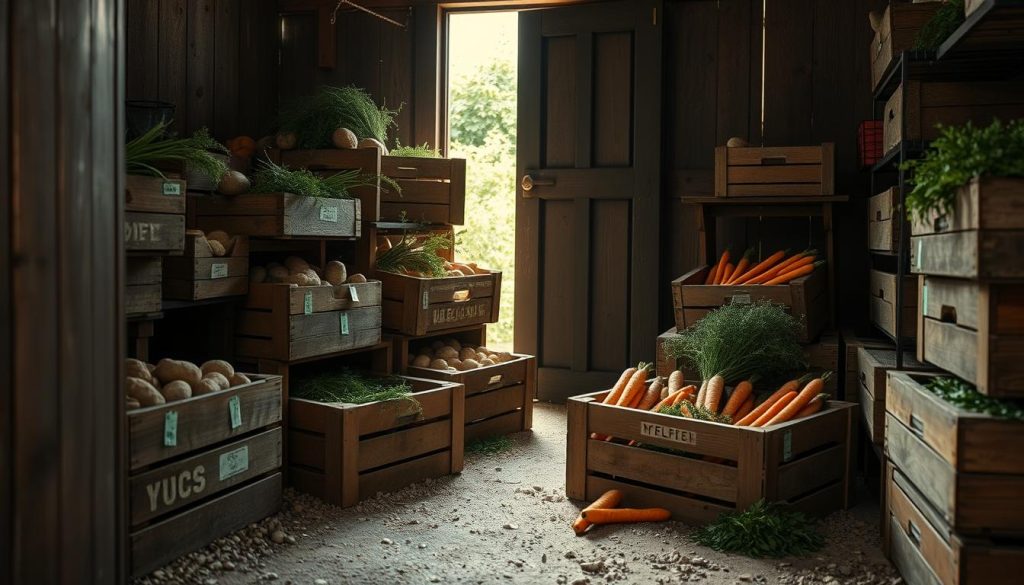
(795, 200)
(997, 26)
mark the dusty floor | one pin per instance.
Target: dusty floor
(505, 520)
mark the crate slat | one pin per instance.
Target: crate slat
(154, 194)
(279, 215)
(154, 232)
(778, 171)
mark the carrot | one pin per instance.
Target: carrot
(741, 266)
(781, 266)
(727, 273)
(635, 387)
(675, 381)
(702, 393)
(813, 406)
(712, 273)
(723, 262)
(613, 396)
(812, 389)
(621, 515)
(791, 386)
(653, 394)
(740, 393)
(609, 499)
(684, 395)
(760, 267)
(795, 273)
(745, 409)
(667, 401)
(778, 270)
(776, 408)
(716, 386)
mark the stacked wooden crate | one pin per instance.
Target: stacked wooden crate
(154, 227)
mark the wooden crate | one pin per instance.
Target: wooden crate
(663, 364)
(154, 233)
(142, 285)
(850, 346)
(784, 171)
(873, 364)
(961, 461)
(433, 190)
(198, 274)
(925, 550)
(328, 161)
(807, 462)
(976, 331)
(914, 116)
(896, 33)
(883, 303)
(286, 323)
(884, 222)
(403, 344)
(823, 356)
(805, 298)
(279, 215)
(980, 239)
(344, 453)
(154, 194)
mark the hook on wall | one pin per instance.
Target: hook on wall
(334, 15)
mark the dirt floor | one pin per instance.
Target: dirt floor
(505, 519)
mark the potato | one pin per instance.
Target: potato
(205, 386)
(233, 183)
(219, 378)
(216, 248)
(137, 369)
(298, 279)
(483, 349)
(314, 278)
(258, 274)
(374, 143)
(238, 379)
(176, 390)
(487, 362)
(421, 361)
(143, 391)
(439, 364)
(220, 236)
(295, 264)
(344, 138)
(504, 356)
(356, 279)
(168, 370)
(454, 343)
(469, 365)
(220, 366)
(480, 356)
(335, 273)
(454, 273)
(286, 140)
(131, 403)
(467, 353)
(447, 351)
(278, 274)
(454, 362)
(463, 268)
(494, 358)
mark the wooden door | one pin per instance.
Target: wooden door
(587, 207)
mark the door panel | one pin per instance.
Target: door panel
(586, 215)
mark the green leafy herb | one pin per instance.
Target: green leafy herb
(349, 387)
(144, 154)
(946, 19)
(740, 341)
(490, 446)
(959, 154)
(695, 412)
(963, 395)
(423, 151)
(763, 530)
(415, 254)
(314, 118)
(274, 178)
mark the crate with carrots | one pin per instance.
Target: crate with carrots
(796, 281)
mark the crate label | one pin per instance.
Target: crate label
(920, 245)
(656, 431)
(180, 484)
(353, 293)
(740, 299)
(495, 379)
(218, 270)
(924, 299)
(171, 429)
(459, 313)
(787, 446)
(329, 214)
(171, 189)
(307, 303)
(234, 462)
(235, 406)
(343, 321)
(426, 299)
(141, 232)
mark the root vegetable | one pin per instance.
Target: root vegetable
(137, 369)
(168, 370)
(775, 409)
(716, 386)
(744, 410)
(791, 386)
(176, 390)
(487, 362)
(356, 279)
(620, 386)
(795, 273)
(286, 140)
(258, 274)
(220, 366)
(233, 183)
(312, 276)
(454, 363)
(675, 381)
(809, 392)
(205, 386)
(421, 361)
(759, 268)
(335, 273)
(447, 351)
(467, 353)
(635, 388)
(740, 393)
(609, 499)
(143, 391)
(470, 365)
(295, 264)
(219, 236)
(666, 401)
(238, 379)
(344, 138)
(216, 248)
(622, 515)
(439, 364)
(652, 395)
(219, 378)
(298, 279)
(131, 403)
(723, 264)
(454, 343)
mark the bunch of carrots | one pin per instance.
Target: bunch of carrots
(775, 269)
(605, 510)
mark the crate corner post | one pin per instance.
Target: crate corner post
(576, 449)
(752, 482)
(348, 420)
(458, 427)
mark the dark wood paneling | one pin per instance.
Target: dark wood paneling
(556, 321)
(609, 269)
(560, 108)
(613, 81)
(226, 69)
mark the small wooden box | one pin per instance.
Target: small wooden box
(279, 215)
(982, 238)
(806, 462)
(976, 331)
(286, 323)
(883, 303)
(198, 274)
(959, 460)
(823, 356)
(663, 364)
(344, 453)
(417, 306)
(783, 171)
(806, 298)
(329, 161)
(142, 285)
(851, 344)
(873, 364)
(896, 33)
(154, 194)
(884, 222)
(154, 233)
(433, 190)
(949, 104)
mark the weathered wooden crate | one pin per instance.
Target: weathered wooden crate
(925, 550)
(279, 215)
(405, 344)
(433, 190)
(961, 461)
(873, 364)
(714, 468)
(344, 453)
(823, 356)
(912, 114)
(286, 323)
(883, 303)
(976, 331)
(142, 285)
(884, 222)
(664, 365)
(154, 233)
(850, 346)
(896, 33)
(783, 171)
(154, 194)
(201, 468)
(982, 238)
(198, 274)
(329, 161)
(806, 298)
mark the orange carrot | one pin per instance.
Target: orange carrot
(813, 406)
(727, 274)
(653, 394)
(621, 515)
(609, 499)
(745, 409)
(776, 408)
(716, 386)
(616, 392)
(760, 267)
(723, 262)
(684, 394)
(667, 401)
(712, 273)
(812, 389)
(740, 393)
(782, 266)
(795, 273)
(635, 387)
(791, 386)
(741, 266)
(777, 270)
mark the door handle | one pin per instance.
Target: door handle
(529, 183)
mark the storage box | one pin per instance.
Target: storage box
(329, 161)
(883, 303)
(897, 32)
(782, 171)
(806, 298)
(976, 331)
(198, 274)
(873, 364)
(869, 142)
(433, 190)
(154, 194)
(851, 344)
(154, 233)
(712, 468)
(884, 222)
(286, 323)
(143, 275)
(279, 215)
(344, 453)
(959, 460)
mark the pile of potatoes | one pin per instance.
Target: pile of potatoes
(220, 243)
(297, 272)
(170, 380)
(451, 356)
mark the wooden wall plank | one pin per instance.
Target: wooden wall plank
(142, 62)
(6, 328)
(172, 38)
(788, 63)
(226, 69)
(396, 75)
(609, 291)
(200, 63)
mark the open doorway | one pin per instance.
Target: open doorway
(482, 85)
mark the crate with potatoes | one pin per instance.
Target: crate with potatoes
(154, 214)
(204, 455)
(299, 310)
(215, 264)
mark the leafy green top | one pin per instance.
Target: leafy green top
(415, 254)
(314, 118)
(274, 178)
(144, 153)
(422, 151)
(946, 19)
(349, 387)
(762, 530)
(963, 395)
